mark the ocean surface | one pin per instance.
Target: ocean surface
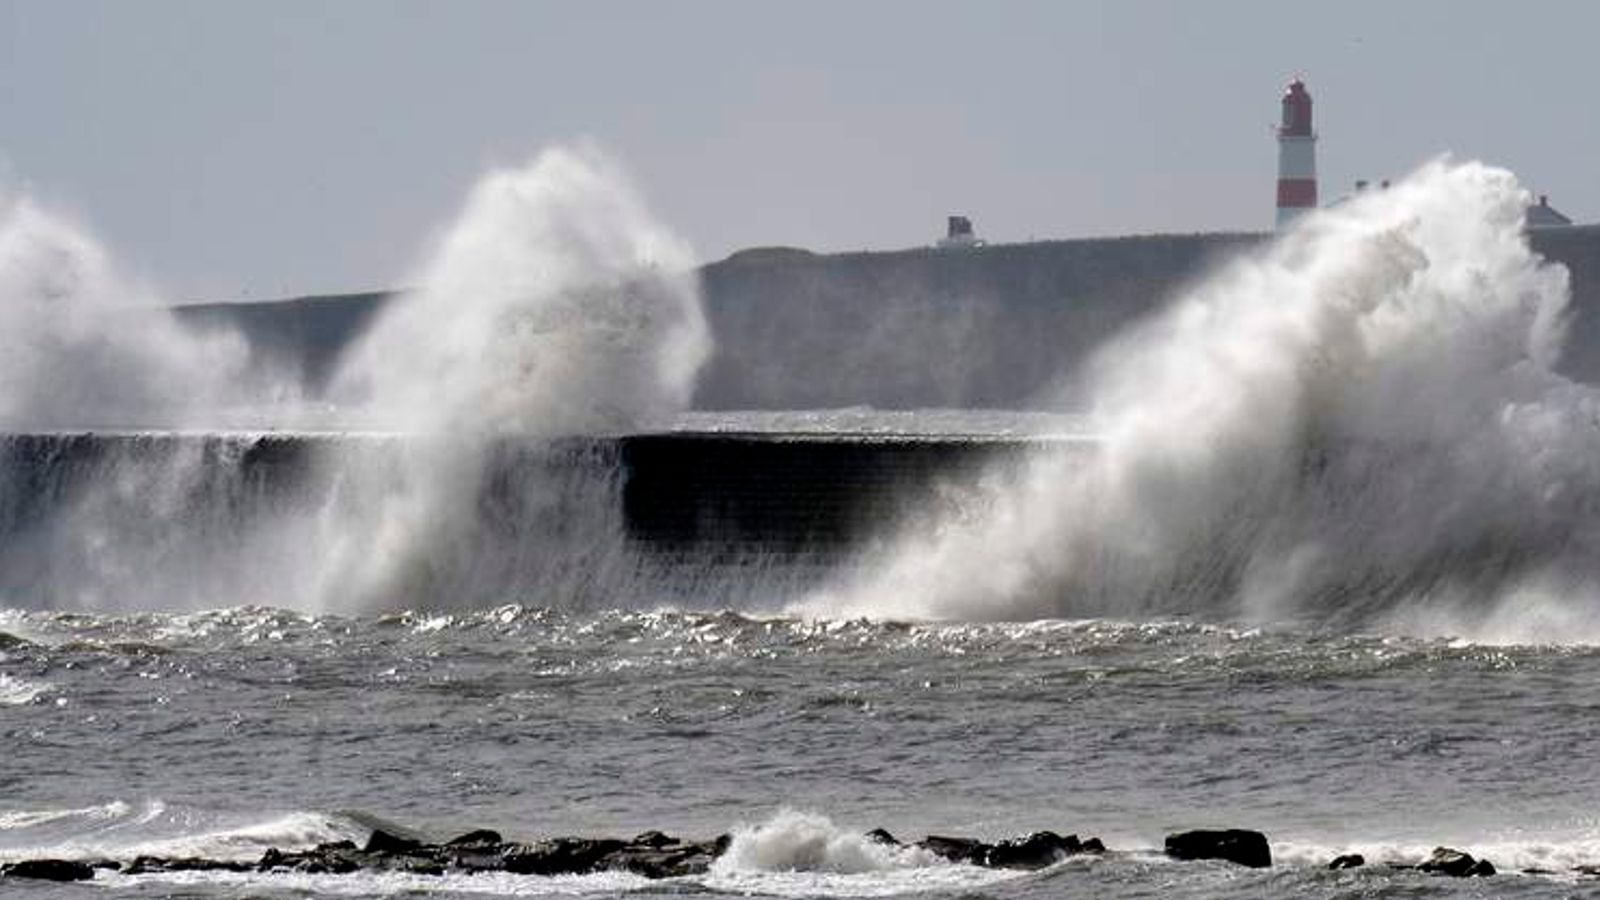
(224, 733)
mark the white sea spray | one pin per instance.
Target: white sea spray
(1359, 423)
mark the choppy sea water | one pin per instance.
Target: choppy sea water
(224, 733)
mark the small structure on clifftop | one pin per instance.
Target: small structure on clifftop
(959, 233)
(1543, 215)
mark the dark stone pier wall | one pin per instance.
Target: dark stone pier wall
(701, 498)
(817, 496)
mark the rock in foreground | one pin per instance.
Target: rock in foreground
(1448, 861)
(1036, 851)
(1236, 845)
(48, 870)
(652, 854)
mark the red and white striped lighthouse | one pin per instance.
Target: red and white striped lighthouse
(1297, 155)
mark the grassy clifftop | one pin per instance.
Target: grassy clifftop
(978, 327)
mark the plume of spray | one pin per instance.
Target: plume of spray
(130, 522)
(555, 306)
(83, 345)
(1358, 425)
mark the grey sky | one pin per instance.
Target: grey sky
(225, 150)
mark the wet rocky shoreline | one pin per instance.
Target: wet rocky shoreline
(654, 854)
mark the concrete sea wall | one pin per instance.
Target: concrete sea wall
(700, 499)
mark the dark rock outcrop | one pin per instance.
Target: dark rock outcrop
(652, 854)
(482, 838)
(881, 836)
(969, 851)
(383, 842)
(1036, 851)
(655, 854)
(561, 856)
(48, 870)
(1236, 845)
(144, 865)
(343, 857)
(1455, 863)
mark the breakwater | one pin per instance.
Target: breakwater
(791, 495)
(188, 514)
(989, 327)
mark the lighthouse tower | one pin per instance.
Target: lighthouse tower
(1297, 155)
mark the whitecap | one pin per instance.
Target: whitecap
(798, 853)
(17, 692)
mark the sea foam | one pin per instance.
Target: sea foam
(798, 853)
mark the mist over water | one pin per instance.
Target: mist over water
(1359, 425)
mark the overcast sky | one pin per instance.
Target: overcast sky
(226, 150)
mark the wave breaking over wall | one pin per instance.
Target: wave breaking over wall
(1360, 423)
(554, 306)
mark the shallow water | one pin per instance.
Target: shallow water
(224, 733)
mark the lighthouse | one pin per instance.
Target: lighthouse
(1297, 155)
